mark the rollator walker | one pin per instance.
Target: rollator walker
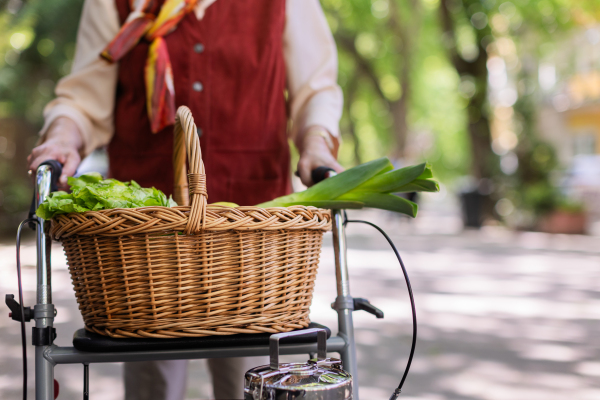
(91, 348)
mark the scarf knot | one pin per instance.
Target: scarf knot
(143, 24)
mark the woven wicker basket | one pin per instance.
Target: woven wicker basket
(193, 270)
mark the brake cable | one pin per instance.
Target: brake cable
(22, 319)
(397, 391)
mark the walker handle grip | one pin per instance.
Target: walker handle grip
(320, 173)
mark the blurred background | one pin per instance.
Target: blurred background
(502, 98)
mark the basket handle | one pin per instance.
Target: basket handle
(186, 139)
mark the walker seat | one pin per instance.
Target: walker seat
(84, 340)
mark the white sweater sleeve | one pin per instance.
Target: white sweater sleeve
(87, 94)
(311, 63)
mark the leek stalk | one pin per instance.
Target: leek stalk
(372, 185)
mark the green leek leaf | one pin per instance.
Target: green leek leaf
(418, 185)
(291, 199)
(428, 173)
(367, 185)
(388, 182)
(343, 182)
(384, 201)
(336, 204)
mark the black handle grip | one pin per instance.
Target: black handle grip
(320, 173)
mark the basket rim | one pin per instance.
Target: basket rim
(162, 219)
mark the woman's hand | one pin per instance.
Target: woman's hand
(315, 153)
(62, 143)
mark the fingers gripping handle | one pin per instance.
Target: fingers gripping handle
(274, 344)
(186, 129)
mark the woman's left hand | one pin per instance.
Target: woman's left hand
(315, 153)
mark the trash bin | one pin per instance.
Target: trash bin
(472, 208)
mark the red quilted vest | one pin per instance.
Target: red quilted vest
(229, 70)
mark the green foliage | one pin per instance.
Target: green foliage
(37, 42)
(36, 48)
(394, 70)
(90, 192)
(531, 186)
(439, 114)
(541, 198)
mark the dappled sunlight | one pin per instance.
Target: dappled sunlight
(496, 321)
(549, 352)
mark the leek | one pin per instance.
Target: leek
(372, 185)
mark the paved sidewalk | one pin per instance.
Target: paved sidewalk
(501, 315)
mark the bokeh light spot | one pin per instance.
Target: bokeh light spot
(367, 45)
(508, 9)
(504, 207)
(21, 40)
(380, 8)
(390, 86)
(45, 47)
(479, 20)
(359, 110)
(17, 40)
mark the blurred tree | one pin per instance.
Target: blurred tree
(523, 36)
(495, 47)
(394, 87)
(415, 75)
(36, 47)
(401, 95)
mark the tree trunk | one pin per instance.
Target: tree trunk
(399, 110)
(478, 126)
(405, 29)
(350, 94)
(481, 146)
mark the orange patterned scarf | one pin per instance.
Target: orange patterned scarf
(160, 92)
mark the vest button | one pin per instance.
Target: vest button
(198, 48)
(197, 86)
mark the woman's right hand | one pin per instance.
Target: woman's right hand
(63, 143)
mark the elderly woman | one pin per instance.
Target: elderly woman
(255, 73)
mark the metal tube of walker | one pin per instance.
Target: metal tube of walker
(43, 183)
(44, 309)
(344, 303)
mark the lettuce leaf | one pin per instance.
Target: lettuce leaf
(90, 192)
